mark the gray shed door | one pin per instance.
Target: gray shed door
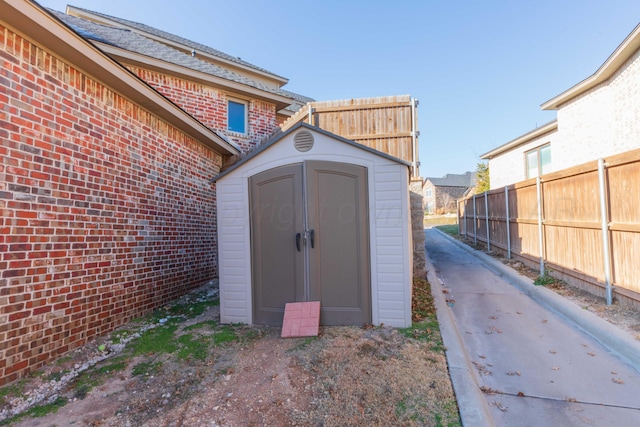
(309, 231)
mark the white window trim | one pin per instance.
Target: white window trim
(246, 116)
(538, 157)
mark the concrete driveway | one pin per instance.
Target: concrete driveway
(515, 361)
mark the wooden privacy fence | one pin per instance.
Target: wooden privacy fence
(582, 223)
(387, 123)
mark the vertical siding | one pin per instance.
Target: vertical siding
(235, 259)
(389, 219)
(391, 263)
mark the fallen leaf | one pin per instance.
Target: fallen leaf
(512, 373)
(617, 380)
(521, 394)
(614, 373)
(544, 321)
(493, 317)
(555, 368)
(484, 357)
(591, 354)
(570, 399)
(552, 351)
(519, 312)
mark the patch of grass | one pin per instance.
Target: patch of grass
(56, 376)
(545, 280)
(190, 348)
(191, 310)
(304, 343)
(425, 326)
(37, 411)
(226, 334)
(157, 340)
(450, 229)
(429, 331)
(116, 364)
(451, 414)
(14, 389)
(146, 368)
(439, 220)
(208, 324)
(118, 336)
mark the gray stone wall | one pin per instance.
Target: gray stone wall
(417, 227)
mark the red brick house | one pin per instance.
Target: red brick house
(110, 132)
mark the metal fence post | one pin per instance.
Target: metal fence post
(506, 201)
(486, 215)
(458, 216)
(475, 224)
(540, 232)
(606, 251)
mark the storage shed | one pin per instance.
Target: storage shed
(311, 216)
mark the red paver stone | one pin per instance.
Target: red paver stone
(301, 319)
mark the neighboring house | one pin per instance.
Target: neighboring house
(598, 117)
(440, 194)
(110, 134)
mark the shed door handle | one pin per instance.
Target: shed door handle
(311, 236)
(298, 241)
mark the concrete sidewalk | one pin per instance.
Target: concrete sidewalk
(521, 355)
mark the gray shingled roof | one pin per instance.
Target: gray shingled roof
(300, 98)
(467, 179)
(128, 40)
(192, 44)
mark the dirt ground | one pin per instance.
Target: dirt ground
(215, 375)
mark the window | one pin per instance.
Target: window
(428, 192)
(237, 116)
(538, 161)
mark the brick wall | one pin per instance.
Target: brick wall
(601, 122)
(209, 106)
(106, 212)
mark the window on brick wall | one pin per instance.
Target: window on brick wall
(237, 116)
(538, 161)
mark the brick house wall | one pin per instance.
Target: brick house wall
(603, 121)
(209, 106)
(510, 167)
(106, 211)
(441, 199)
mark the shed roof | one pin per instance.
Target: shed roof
(280, 135)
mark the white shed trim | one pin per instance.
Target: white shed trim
(389, 225)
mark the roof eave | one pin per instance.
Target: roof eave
(136, 59)
(45, 30)
(523, 139)
(623, 52)
(82, 13)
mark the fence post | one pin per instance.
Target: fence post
(606, 251)
(540, 232)
(475, 224)
(486, 215)
(506, 201)
(458, 216)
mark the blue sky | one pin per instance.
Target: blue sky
(480, 69)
